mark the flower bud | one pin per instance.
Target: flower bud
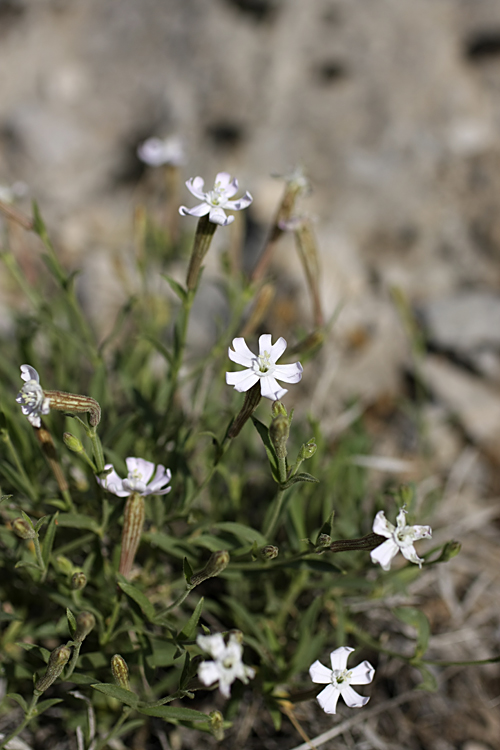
(133, 521)
(278, 408)
(216, 564)
(85, 622)
(278, 432)
(23, 529)
(217, 725)
(450, 550)
(119, 669)
(78, 580)
(324, 540)
(308, 450)
(251, 402)
(269, 552)
(57, 661)
(72, 442)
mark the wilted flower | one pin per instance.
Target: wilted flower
(139, 475)
(157, 151)
(215, 201)
(400, 538)
(339, 680)
(33, 401)
(262, 367)
(227, 665)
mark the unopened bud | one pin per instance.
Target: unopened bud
(23, 529)
(85, 622)
(278, 408)
(73, 443)
(308, 450)
(450, 550)
(278, 432)
(217, 725)
(217, 563)
(269, 552)
(119, 669)
(78, 580)
(57, 661)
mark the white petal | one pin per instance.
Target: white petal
(270, 388)
(212, 644)
(29, 373)
(382, 526)
(328, 698)
(113, 483)
(362, 674)
(201, 210)
(352, 698)
(217, 216)
(208, 672)
(222, 181)
(229, 191)
(410, 553)
(422, 532)
(162, 477)
(242, 354)
(384, 553)
(401, 519)
(240, 203)
(242, 381)
(143, 467)
(195, 187)
(265, 344)
(338, 658)
(319, 673)
(277, 349)
(34, 420)
(289, 373)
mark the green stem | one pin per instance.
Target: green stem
(178, 601)
(29, 715)
(112, 622)
(277, 503)
(96, 449)
(179, 347)
(17, 461)
(39, 557)
(112, 734)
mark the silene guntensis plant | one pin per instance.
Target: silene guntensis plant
(140, 600)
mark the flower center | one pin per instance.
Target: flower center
(341, 677)
(264, 363)
(134, 481)
(228, 662)
(216, 196)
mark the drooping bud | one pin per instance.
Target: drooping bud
(57, 661)
(23, 529)
(85, 622)
(133, 521)
(278, 432)
(269, 552)
(119, 669)
(217, 725)
(450, 550)
(73, 443)
(75, 404)
(78, 580)
(217, 562)
(252, 399)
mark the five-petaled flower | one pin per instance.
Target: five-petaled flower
(338, 680)
(227, 665)
(33, 401)
(262, 367)
(215, 201)
(140, 472)
(400, 538)
(157, 151)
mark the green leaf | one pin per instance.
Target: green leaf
(172, 713)
(271, 454)
(28, 519)
(48, 541)
(418, 620)
(78, 521)
(71, 622)
(187, 570)
(44, 705)
(41, 522)
(119, 693)
(302, 477)
(175, 287)
(22, 564)
(429, 682)
(242, 532)
(19, 699)
(17, 480)
(189, 628)
(161, 348)
(139, 598)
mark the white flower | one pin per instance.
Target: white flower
(339, 680)
(262, 367)
(215, 201)
(31, 396)
(400, 538)
(139, 474)
(227, 665)
(9, 194)
(158, 151)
